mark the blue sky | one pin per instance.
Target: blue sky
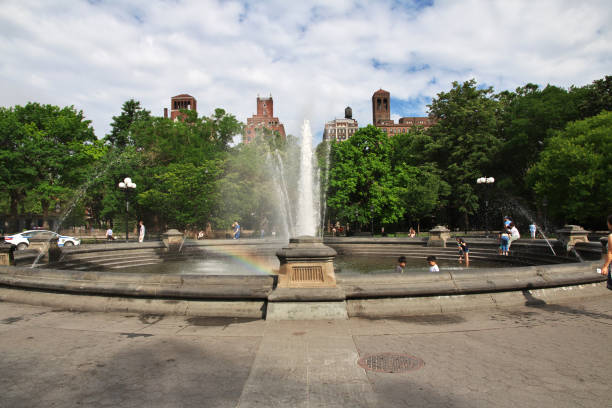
(314, 57)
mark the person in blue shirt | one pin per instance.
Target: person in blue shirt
(236, 230)
(507, 221)
(532, 230)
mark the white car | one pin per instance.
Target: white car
(22, 240)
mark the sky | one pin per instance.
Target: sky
(314, 57)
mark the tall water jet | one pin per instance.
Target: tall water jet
(306, 222)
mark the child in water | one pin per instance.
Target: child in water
(433, 265)
(401, 264)
(464, 251)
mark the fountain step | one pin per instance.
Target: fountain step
(130, 261)
(122, 266)
(86, 263)
(102, 255)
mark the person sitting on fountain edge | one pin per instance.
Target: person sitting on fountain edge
(433, 265)
(401, 264)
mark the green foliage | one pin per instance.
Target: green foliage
(122, 127)
(183, 194)
(161, 157)
(528, 118)
(594, 98)
(573, 173)
(367, 182)
(464, 141)
(47, 152)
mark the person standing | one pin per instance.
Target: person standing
(532, 230)
(606, 269)
(464, 251)
(236, 230)
(109, 234)
(504, 243)
(141, 231)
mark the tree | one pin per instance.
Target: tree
(422, 190)
(122, 126)
(573, 172)
(464, 141)
(223, 127)
(529, 117)
(183, 194)
(55, 148)
(163, 157)
(594, 98)
(361, 181)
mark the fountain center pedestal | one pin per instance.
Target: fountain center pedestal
(306, 263)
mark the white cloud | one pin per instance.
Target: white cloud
(314, 57)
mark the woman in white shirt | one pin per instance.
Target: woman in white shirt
(514, 233)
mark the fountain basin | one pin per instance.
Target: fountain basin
(258, 295)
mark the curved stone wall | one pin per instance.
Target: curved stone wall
(259, 291)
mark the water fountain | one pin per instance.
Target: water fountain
(307, 219)
(305, 286)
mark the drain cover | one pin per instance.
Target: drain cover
(390, 363)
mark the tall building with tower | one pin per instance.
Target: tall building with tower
(178, 102)
(381, 116)
(263, 119)
(341, 129)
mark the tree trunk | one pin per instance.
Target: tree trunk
(45, 210)
(14, 218)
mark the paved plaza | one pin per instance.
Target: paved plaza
(542, 355)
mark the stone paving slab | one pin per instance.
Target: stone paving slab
(539, 354)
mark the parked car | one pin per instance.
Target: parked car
(22, 240)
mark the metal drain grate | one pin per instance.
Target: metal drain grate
(390, 363)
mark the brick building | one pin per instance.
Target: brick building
(381, 116)
(178, 102)
(341, 129)
(263, 119)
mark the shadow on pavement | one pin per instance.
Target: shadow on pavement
(531, 301)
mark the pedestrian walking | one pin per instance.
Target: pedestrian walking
(141, 231)
(236, 227)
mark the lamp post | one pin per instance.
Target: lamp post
(486, 180)
(126, 185)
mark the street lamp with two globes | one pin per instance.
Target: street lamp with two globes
(126, 185)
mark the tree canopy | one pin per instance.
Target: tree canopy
(573, 173)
